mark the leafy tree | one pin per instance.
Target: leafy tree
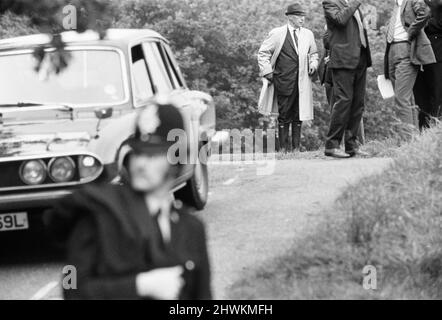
(46, 16)
(216, 43)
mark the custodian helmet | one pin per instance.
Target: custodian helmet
(156, 125)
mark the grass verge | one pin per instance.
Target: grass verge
(392, 221)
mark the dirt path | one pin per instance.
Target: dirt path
(244, 227)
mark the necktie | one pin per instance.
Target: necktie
(295, 37)
(157, 236)
(361, 29)
(392, 24)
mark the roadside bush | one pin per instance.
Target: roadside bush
(392, 221)
(396, 217)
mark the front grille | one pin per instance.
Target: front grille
(10, 174)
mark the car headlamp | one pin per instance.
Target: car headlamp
(62, 169)
(33, 172)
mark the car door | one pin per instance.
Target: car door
(197, 104)
(167, 79)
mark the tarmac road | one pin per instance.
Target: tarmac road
(250, 219)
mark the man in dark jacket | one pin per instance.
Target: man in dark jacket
(349, 59)
(428, 88)
(132, 241)
(408, 48)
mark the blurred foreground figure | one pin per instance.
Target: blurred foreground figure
(133, 241)
(428, 88)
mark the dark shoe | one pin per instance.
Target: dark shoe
(296, 135)
(336, 153)
(359, 153)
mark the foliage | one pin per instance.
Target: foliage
(47, 16)
(216, 43)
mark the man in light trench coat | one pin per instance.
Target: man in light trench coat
(288, 59)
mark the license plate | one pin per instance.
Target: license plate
(14, 221)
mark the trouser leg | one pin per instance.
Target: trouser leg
(284, 121)
(404, 76)
(288, 112)
(343, 80)
(424, 93)
(352, 131)
(434, 78)
(283, 134)
(296, 135)
(296, 124)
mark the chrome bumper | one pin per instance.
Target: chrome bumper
(21, 201)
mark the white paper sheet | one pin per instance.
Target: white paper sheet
(385, 87)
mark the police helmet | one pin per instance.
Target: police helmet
(154, 124)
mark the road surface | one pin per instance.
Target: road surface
(253, 215)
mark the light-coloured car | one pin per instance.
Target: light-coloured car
(61, 131)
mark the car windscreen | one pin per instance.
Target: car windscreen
(92, 77)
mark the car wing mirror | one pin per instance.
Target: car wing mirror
(104, 113)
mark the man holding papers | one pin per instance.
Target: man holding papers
(408, 48)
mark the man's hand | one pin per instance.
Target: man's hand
(423, 13)
(269, 77)
(311, 71)
(160, 284)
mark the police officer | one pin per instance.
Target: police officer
(133, 241)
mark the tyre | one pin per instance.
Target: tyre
(196, 191)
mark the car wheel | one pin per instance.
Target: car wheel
(196, 191)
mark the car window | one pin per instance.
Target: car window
(175, 66)
(142, 85)
(92, 77)
(157, 67)
(173, 74)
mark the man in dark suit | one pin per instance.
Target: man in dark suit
(349, 59)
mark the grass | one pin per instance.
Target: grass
(387, 148)
(391, 220)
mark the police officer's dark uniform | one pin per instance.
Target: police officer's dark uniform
(111, 237)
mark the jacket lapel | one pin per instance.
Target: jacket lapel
(291, 41)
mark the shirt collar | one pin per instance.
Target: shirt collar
(291, 28)
(156, 206)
